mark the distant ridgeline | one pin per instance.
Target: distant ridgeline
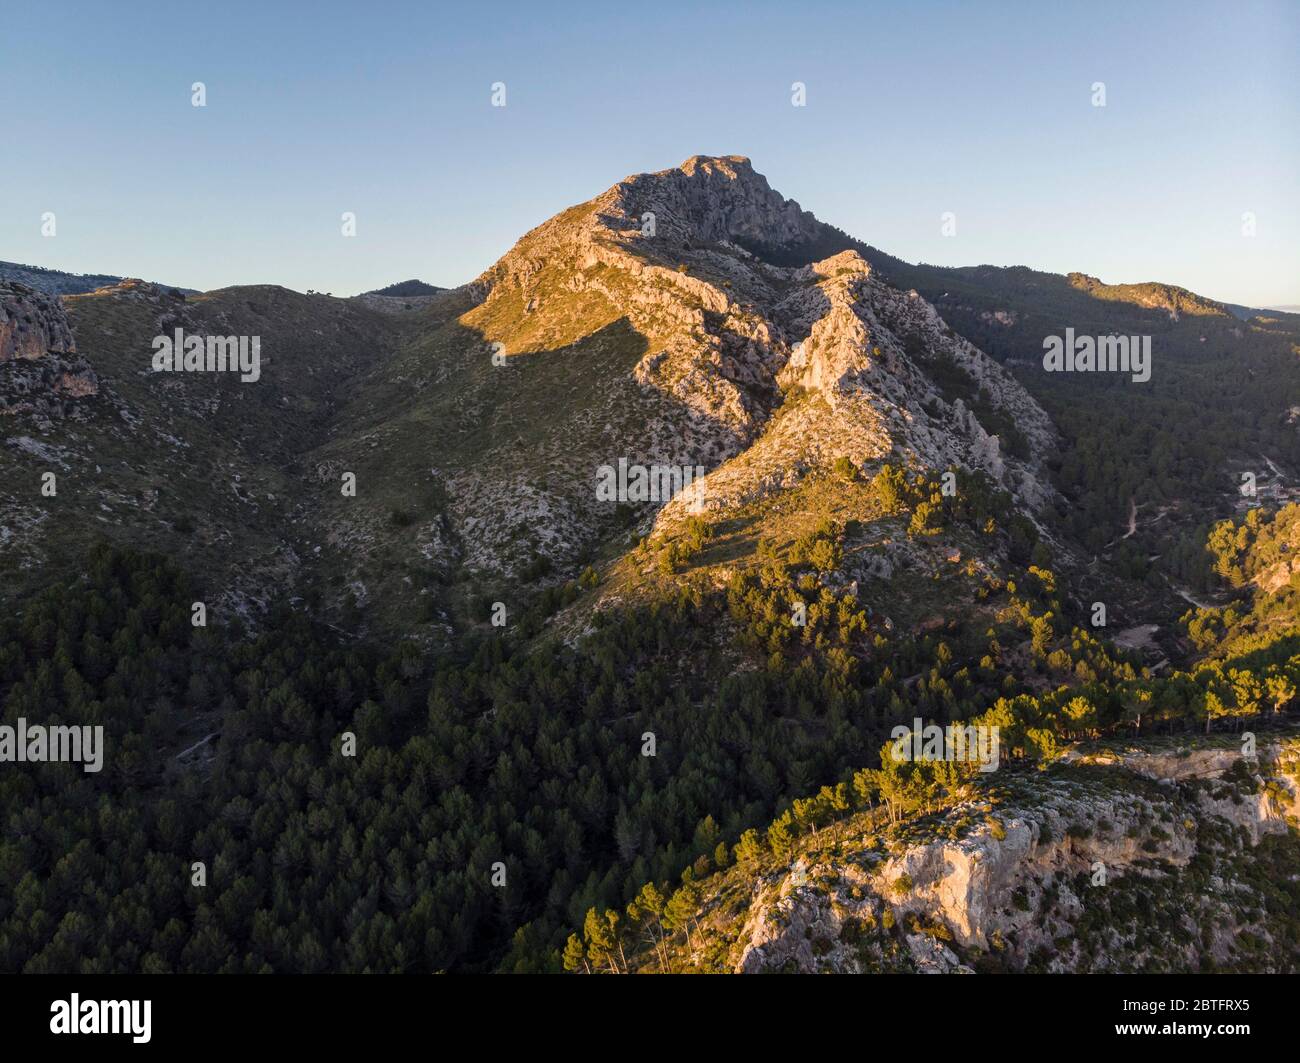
(56, 282)
(407, 288)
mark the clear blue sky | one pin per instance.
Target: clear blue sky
(383, 109)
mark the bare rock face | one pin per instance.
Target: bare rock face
(967, 883)
(47, 389)
(41, 374)
(1019, 880)
(757, 371)
(32, 324)
(717, 199)
(832, 328)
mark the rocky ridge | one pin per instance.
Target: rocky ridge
(769, 370)
(1045, 879)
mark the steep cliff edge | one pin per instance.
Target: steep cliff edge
(32, 324)
(41, 374)
(1128, 860)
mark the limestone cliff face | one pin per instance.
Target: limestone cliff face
(759, 372)
(730, 332)
(32, 324)
(41, 375)
(1045, 880)
(715, 199)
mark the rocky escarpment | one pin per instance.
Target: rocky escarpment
(714, 200)
(755, 371)
(860, 384)
(41, 375)
(32, 324)
(1132, 860)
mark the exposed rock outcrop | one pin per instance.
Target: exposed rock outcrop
(760, 372)
(41, 374)
(32, 324)
(1035, 881)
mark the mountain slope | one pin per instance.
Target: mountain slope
(687, 319)
(672, 673)
(199, 465)
(671, 345)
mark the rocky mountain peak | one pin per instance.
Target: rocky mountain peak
(716, 198)
(726, 164)
(754, 371)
